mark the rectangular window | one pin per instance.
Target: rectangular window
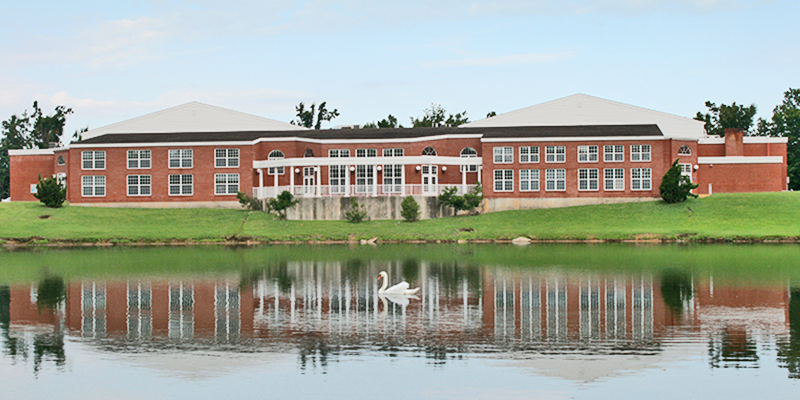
(226, 184)
(640, 152)
(503, 180)
(180, 185)
(528, 180)
(392, 152)
(613, 153)
(339, 153)
(337, 175)
(366, 152)
(503, 155)
(555, 154)
(640, 179)
(226, 158)
(93, 160)
(529, 154)
(180, 158)
(588, 153)
(588, 179)
(686, 170)
(614, 179)
(393, 178)
(93, 186)
(139, 185)
(556, 180)
(139, 159)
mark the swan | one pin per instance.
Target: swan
(401, 288)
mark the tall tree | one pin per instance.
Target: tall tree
(719, 118)
(786, 123)
(435, 116)
(388, 122)
(313, 116)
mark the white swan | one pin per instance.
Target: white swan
(401, 288)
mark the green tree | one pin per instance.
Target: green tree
(313, 117)
(467, 202)
(436, 115)
(491, 114)
(785, 122)
(16, 135)
(50, 192)
(676, 187)
(282, 203)
(719, 118)
(48, 129)
(409, 209)
(357, 211)
(388, 122)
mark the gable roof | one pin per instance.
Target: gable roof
(193, 117)
(580, 110)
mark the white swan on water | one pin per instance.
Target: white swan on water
(401, 288)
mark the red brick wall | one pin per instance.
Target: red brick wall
(740, 178)
(660, 161)
(25, 172)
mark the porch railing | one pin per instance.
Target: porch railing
(267, 192)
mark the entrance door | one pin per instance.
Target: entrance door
(309, 183)
(430, 178)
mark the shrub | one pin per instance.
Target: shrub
(249, 203)
(50, 192)
(467, 202)
(357, 211)
(283, 202)
(675, 187)
(409, 209)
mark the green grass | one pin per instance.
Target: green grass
(759, 216)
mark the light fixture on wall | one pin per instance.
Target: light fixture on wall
(316, 169)
(297, 170)
(444, 169)
(418, 168)
(352, 168)
(696, 167)
(380, 168)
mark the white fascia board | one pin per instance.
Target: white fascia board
(411, 160)
(740, 160)
(371, 141)
(165, 144)
(574, 139)
(747, 140)
(32, 152)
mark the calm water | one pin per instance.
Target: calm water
(544, 322)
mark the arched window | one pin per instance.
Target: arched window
(61, 160)
(276, 155)
(308, 153)
(469, 152)
(429, 151)
(684, 151)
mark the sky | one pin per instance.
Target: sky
(112, 61)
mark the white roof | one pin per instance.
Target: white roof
(580, 109)
(193, 117)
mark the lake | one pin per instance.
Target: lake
(560, 321)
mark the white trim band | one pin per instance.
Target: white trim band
(326, 161)
(573, 139)
(32, 152)
(746, 140)
(740, 160)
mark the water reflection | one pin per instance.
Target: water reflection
(324, 310)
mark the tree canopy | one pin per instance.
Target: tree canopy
(785, 122)
(719, 118)
(434, 116)
(313, 116)
(388, 122)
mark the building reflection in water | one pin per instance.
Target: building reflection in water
(325, 309)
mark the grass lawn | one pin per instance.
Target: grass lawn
(722, 216)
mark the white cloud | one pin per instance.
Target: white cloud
(514, 59)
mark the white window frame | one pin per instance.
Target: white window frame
(642, 179)
(229, 183)
(337, 178)
(273, 155)
(616, 180)
(468, 152)
(555, 154)
(181, 184)
(503, 155)
(686, 152)
(184, 158)
(226, 158)
(366, 153)
(529, 180)
(588, 154)
(95, 158)
(138, 185)
(393, 178)
(139, 158)
(585, 179)
(640, 153)
(528, 154)
(95, 183)
(686, 170)
(339, 153)
(505, 178)
(555, 176)
(394, 152)
(613, 153)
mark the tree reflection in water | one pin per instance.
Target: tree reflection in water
(789, 348)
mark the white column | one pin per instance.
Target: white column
(291, 180)
(260, 182)
(276, 180)
(480, 173)
(374, 180)
(319, 180)
(464, 179)
(347, 181)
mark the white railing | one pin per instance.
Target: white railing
(267, 192)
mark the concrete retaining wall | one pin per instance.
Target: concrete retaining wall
(495, 204)
(334, 208)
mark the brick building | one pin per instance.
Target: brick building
(570, 151)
